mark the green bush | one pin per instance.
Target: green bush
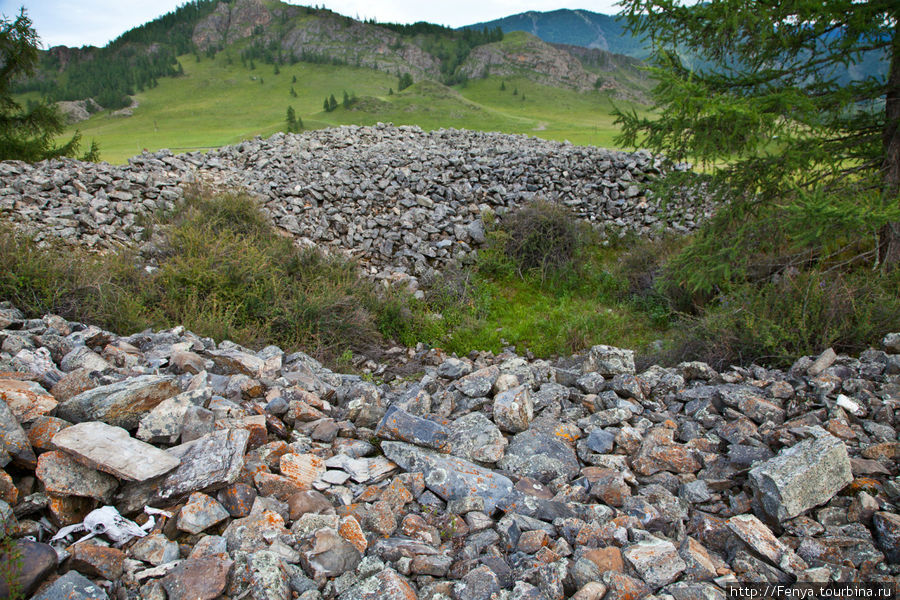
(542, 238)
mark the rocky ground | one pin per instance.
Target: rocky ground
(263, 475)
(401, 200)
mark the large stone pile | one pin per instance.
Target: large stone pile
(400, 199)
(263, 475)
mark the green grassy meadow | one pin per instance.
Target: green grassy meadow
(216, 103)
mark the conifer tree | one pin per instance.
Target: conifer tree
(760, 93)
(27, 133)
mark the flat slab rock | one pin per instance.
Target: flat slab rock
(122, 404)
(448, 476)
(112, 450)
(207, 464)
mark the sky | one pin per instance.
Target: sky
(96, 22)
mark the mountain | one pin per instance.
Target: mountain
(572, 27)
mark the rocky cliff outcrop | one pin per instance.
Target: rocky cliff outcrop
(524, 55)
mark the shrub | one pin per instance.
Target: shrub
(804, 313)
(541, 238)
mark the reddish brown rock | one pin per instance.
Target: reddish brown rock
(68, 510)
(237, 499)
(26, 399)
(73, 383)
(381, 519)
(282, 488)
(41, 430)
(97, 561)
(198, 579)
(606, 559)
(350, 530)
(64, 476)
(9, 493)
(608, 485)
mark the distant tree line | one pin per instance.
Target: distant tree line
(134, 61)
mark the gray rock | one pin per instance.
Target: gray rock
(448, 476)
(656, 561)
(541, 456)
(609, 361)
(398, 424)
(601, 441)
(164, 423)
(801, 477)
(112, 450)
(891, 343)
(14, 445)
(121, 404)
(513, 409)
(72, 586)
(207, 464)
(475, 437)
(329, 555)
(478, 383)
(83, 357)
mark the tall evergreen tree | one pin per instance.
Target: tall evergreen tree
(27, 133)
(760, 93)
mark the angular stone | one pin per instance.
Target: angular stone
(73, 383)
(267, 579)
(42, 430)
(475, 437)
(824, 360)
(656, 561)
(303, 469)
(450, 477)
(700, 566)
(200, 513)
(253, 533)
(164, 423)
(478, 383)
(386, 585)
(112, 450)
(233, 360)
(72, 586)
(398, 424)
(659, 452)
(197, 579)
(237, 499)
(514, 409)
(609, 361)
(14, 445)
(64, 476)
(36, 562)
(478, 584)
(97, 561)
(801, 477)
(155, 549)
(26, 399)
(350, 530)
(541, 456)
(207, 464)
(760, 538)
(83, 357)
(309, 501)
(119, 404)
(608, 485)
(329, 555)
(887, 534)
